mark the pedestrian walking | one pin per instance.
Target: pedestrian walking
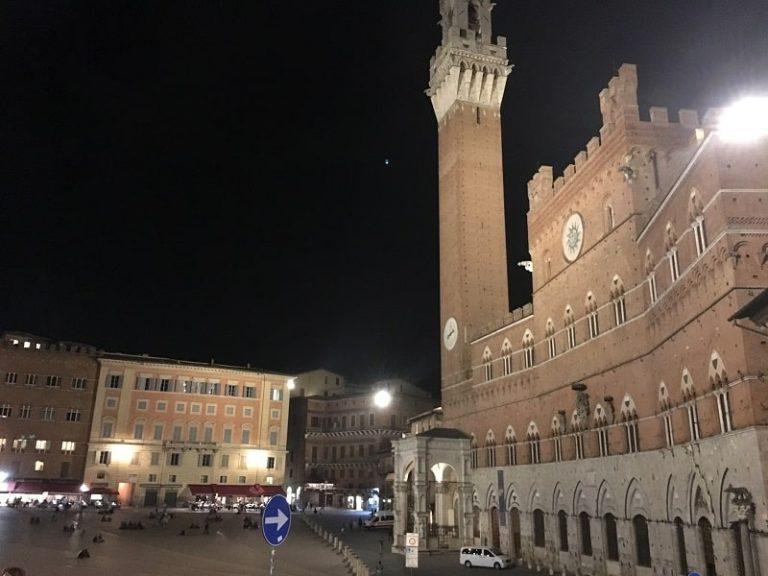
(381, 546)
(379, 569)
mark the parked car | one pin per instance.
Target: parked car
(382, 519)
(482, 556)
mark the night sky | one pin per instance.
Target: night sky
(209, 179)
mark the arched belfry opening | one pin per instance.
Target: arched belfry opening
(473, 17)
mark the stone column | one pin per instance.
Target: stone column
(421, 514)
(465, 513)
(746, 548)
(401, 512)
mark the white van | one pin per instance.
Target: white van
(382, 519)
(472, 556)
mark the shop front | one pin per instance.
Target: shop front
(228, 495)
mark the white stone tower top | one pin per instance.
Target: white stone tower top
(467, 66)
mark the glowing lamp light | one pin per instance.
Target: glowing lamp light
(256, 459)
(745, 121)
(84, 488)
(123, 453)
(292, 384)
(3, 476)
(382, 399)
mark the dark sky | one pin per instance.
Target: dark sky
(208, 179)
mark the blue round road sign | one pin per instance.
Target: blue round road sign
(276, 520)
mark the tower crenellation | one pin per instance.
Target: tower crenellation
(468, 66)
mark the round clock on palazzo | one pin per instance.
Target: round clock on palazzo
(573, 237)
(450, 333)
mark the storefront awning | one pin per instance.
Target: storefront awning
(49, 486)
(242, 490)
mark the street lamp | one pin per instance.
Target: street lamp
(745, 120)
(291, 384)
(382, 398)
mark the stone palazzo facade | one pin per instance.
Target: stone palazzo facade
(617, 423)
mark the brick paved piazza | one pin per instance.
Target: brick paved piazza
(46, 550)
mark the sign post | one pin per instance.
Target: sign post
(412, 550)
(275, 525)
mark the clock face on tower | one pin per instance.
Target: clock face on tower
(573, 237)
(450, 333)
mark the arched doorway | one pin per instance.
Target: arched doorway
(495, 528)
(705, 533)
(514, 534)
(409, 503)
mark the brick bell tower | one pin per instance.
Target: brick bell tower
(468, 74)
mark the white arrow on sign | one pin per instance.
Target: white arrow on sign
(280, 519)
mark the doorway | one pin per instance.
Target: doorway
(514, 529)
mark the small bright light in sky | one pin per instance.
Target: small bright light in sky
(386, 161)
(382, 398)
(746, 120)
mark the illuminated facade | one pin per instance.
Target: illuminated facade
(164, 429)
(617, 423)
(46, 403)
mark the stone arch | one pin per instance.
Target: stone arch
(410, 467)
(535, 499)
(558, 424)
(717, 374)
(568, 315)
(590, 302)
(550, 330)
(695, 205)
(617, 287)
(664, 402)
(576, 423)
(635, 501)
(533, 431)
(558, 499)
(628, 408)
(506, 347)
(601, 415)
(581, 503)
(650, 263)
(686, 385)
(699, 500)
(512, 497)
(528, 339)
(487, 355)
(670, 237)
(509, 435)
(490, 438)
(491, 497)
(731, 488)
(606, 501)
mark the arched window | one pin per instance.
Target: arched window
(557, 431)
(506, 355)
(538, 529)
(490, 449)
(629, 417)
(488, 364)
(696, 213)
(578, 435)
(473, 452)
(666, 414)
(689, 396)
(585, 534)
(592, 317)
(719, 381)
(601, 423)
(642, 544)
(682, 557)
(473, 18)
(705, 533)
(650, 268)
(551, 342)
(611, 537)
(570, 327)
(671, 245)
(534, 441)
(562, 528)
(510, 442)
(619, 303)
(528, 349)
